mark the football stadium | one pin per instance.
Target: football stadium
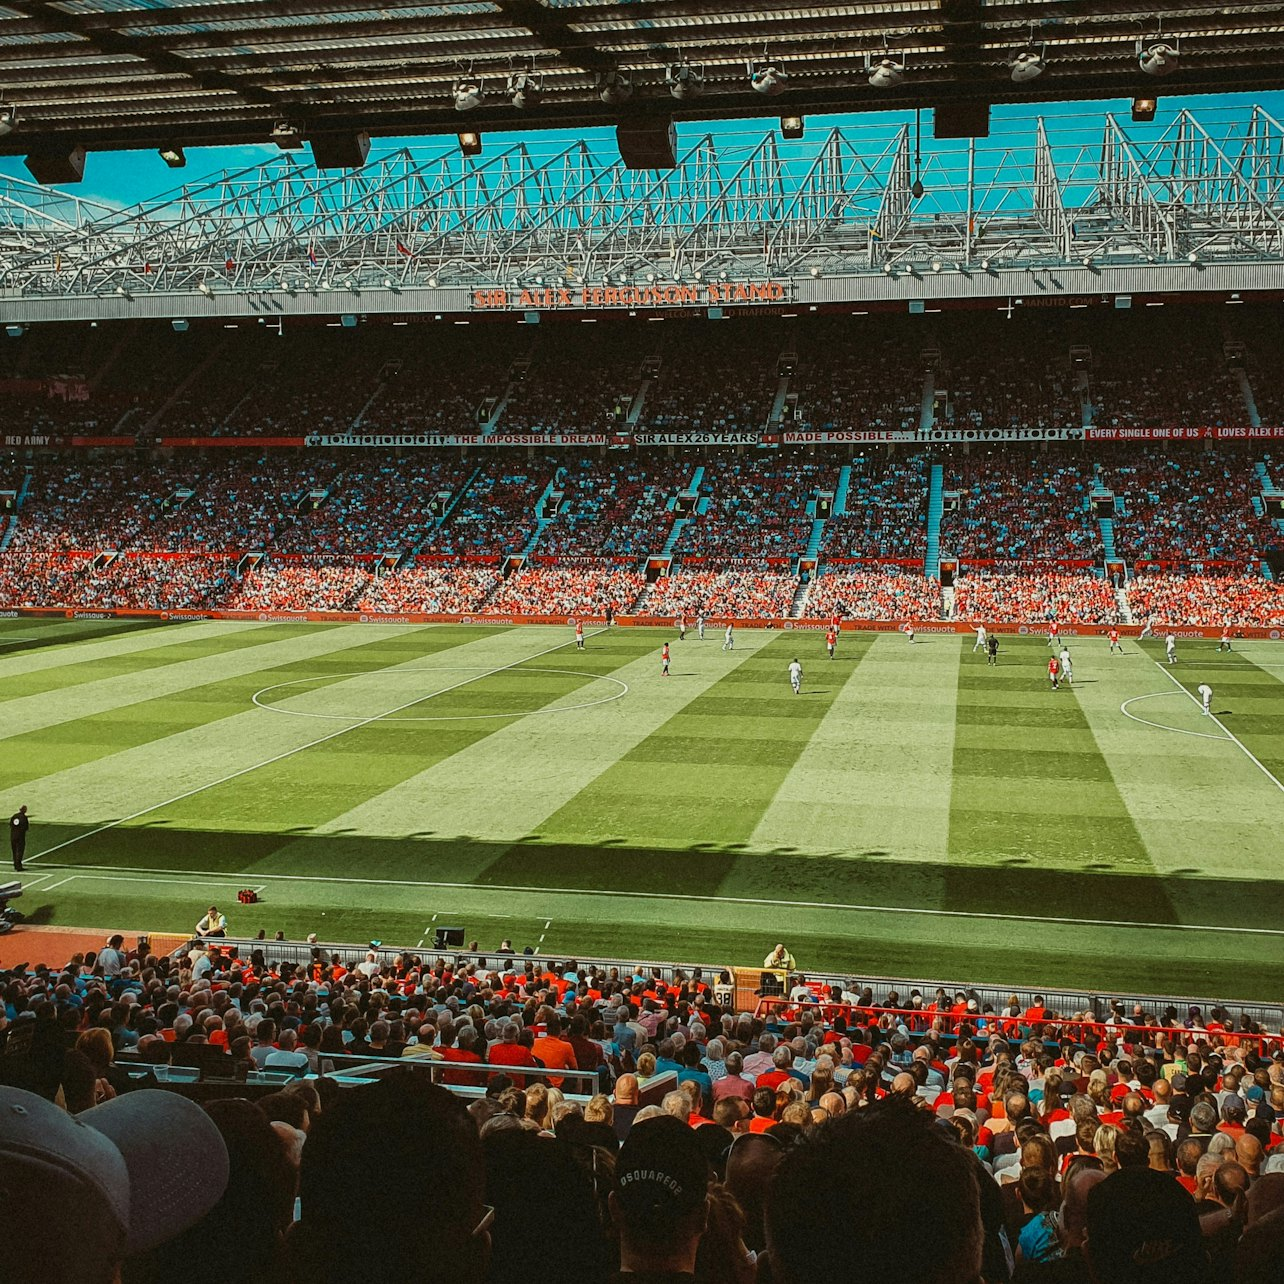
(672, 604)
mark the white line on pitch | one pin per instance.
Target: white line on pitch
(1230, 735)
(1160, 726)
(700, 899)
(289, 753)
(60, 882)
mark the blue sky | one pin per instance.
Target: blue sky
(125, 178)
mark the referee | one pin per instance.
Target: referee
(18, 826)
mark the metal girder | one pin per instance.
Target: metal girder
(840, 203)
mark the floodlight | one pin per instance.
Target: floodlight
(524, 89)
(206, 289)
(1192, 257)
(684, 80)
(767, 77)
(1158, 59)
(469, 94)
(8, 119)
(1143, 109)
(174, 157)
(886, 73)
(470, 143)
(615, 87)
(791, 126)
(1028, 65)
(287, 136)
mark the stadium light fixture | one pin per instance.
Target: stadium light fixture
(1158, 58)
(206, 289)
(886, 73)
(525, 90)
(615, 87)
(985, 265)
(685, 80)
(469, 93)
(8, 119)
(15, 331)
(432, 282)
(792, 126)
(767, 77)
(287, 136)
(123, 293)
(1192, 258)
(937, 265)
(470, 143)
(1029, 64)
(174, 157)
(917, 189)
(180, 326)
(1143, 109)
(889, 268)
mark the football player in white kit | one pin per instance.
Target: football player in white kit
(1067, 669)
(979, 644)
(1170, 648)
(795, 675)
(1206, 694)
(729, 640)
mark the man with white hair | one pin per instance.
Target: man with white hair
(369, 967)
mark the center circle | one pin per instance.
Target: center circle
(259, 697)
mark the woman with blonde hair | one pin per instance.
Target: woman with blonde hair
(537, 1104)
(1103, 1142)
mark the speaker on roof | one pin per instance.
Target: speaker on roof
(647, 144)
(58, 165)
(340, 151)
(961, 120)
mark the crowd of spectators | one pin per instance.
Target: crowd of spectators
(990, 381)
(886, 510)
(742, 592)
(719, 378)
(433, 589)
(1189, 503)
(883, 594)
(1123, 1145)
(614, 507)
(853, 376)
(586, 587)
(576, 387)
(498, 514)
(1210, 600)
(757, 503)
(1012, 508)
(1034, 592)
(299, 586)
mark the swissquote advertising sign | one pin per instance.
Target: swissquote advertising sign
(554, 298)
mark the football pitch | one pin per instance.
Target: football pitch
(912, 812)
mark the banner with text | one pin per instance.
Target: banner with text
(675, 294)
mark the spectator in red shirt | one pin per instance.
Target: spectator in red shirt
(553, 1051)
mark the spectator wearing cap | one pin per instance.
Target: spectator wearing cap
(660, 1205)
(134, 1172)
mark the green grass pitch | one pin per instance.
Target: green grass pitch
(913, 811)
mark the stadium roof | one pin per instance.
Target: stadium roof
(109, 74)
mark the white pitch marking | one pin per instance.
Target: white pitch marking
(112, 870)
(1181, 731)
(62, 881)
(289, 753)
(1230, 735)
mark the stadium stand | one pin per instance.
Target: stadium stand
(886, 511)
(1009, 596)
(521, 1074)
(1010, 511)
(433, 589)
(883, 594)
(587, 587)
(1208, 600)
(731, 591)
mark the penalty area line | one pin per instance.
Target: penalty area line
(290, 753)
(689, 897)
(1230, 735)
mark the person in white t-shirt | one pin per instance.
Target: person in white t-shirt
(1170, 648)
(1206, 695)
(1067, 669)
(729, 640)
(795, 676)
(111, 956)
(979, 644)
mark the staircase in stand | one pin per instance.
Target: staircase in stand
(1125, 608)
(935, 510)
(800, 599)
(841, 492)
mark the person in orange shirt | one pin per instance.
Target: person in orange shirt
(554, 1051)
